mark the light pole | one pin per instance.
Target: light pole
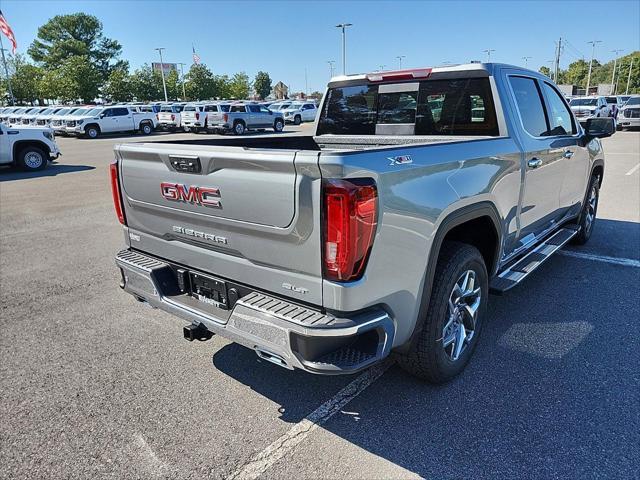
(400, 57)
(164, 85)
(331, 67)
(629, 77)
(344, 26)
(488, 52)
(382, 67)
(593, 52)
(184, 94)
(616, 52)
(526, 61)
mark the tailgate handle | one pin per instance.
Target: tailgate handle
(185, 164)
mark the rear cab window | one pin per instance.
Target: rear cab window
(440, 107)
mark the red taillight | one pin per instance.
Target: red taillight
(157, 116)
(173, 117)
(225, 117)
(115, 192)
(197, 116)
(350, 213)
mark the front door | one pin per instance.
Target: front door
(569, 147)
(109, 122)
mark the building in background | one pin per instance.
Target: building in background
(280, 91)
(168, 67)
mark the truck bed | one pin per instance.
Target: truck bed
(323, 142)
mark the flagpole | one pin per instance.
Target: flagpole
(6, 71)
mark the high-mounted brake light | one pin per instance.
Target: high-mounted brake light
(399, 75)
(115, 192)
(350, 218)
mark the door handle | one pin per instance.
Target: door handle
(534, 163)
(567, 154)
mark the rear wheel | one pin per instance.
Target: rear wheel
(297, 120)
(587, 217)
(454, 317)
(239, 128)
(146, 128)
(32, 159)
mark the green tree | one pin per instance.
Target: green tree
(79, 79)
(75, 35)
(545, 71)
(146, 85)
(262, 84)
(576, 73)
(200, 83)
(25, 80)
(222, 87)
(119, 86)
(239, 86)
(174, 86)
(50, 85)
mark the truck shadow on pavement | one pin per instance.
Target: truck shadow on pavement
(54, 169)
(548, 393)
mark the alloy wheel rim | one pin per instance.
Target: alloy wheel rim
(239, 128)
(93, 133)
(592, 205)
(462, 315)
(33, 159)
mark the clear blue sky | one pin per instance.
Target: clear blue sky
(283, 38)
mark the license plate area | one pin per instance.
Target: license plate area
(208, 290)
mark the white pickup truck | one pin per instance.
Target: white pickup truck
(117, 118)
(29, 148)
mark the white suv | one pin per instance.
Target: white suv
(299, 112)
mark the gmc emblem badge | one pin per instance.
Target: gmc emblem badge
(177, 192)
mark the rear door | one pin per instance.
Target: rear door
(255, 118)
(249, 215)
(542, 163)
(124, 119)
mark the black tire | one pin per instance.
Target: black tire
(92, 131)
(32, 159)
(278, 125)
(297, 120)
(428, 358)
(587, 218)
(239, 128)
(146, 128)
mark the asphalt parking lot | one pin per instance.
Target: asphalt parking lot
(94, 384)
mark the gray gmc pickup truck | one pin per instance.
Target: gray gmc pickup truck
(420, 192)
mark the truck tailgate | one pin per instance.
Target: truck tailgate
(236, 213)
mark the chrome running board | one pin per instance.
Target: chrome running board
(520, 270)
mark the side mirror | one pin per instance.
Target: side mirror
(600, 127)
(270, 112)
(102, 115)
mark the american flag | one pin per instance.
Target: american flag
(196, 57)
(6, 29)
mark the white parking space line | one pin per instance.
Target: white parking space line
(633, 170)
(627, 262)
(301, 430)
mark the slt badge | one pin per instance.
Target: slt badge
(400, 160)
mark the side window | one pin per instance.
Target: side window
(211, 108)
(238, 109)
(108, 112)
(530, 105)
(254, 108)
(120, 112)
(264, 109)
(560, 117)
